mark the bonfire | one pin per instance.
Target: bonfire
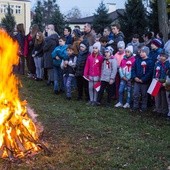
(18, 134)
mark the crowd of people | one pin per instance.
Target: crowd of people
(97, 63)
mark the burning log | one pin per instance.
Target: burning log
(18, 133)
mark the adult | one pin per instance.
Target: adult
(49, 45)
(67, 35)
(20, 37)
(89, 35)
(134, 43)
(76, 34)
(167, 46)
(28, 47)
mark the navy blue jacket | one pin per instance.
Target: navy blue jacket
(153, 55)
(160, 70)
(145, 74)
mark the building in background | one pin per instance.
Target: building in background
(114, 15)
(21, 9)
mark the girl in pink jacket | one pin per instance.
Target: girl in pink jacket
(92, 71)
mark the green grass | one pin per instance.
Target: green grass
(93, 138)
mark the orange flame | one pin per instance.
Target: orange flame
(17, 130)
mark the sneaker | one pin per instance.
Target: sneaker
(127, 105)
(119, 105)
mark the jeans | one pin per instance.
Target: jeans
(125, 86)
(68, 85)
(58, 79)
(38, 65)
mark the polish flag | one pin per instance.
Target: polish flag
(97, 86)
(154, 87)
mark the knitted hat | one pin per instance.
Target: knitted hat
(110, 49)
(145, 49)
(97, 45)
(129, 48)
(156, 42)
(77, 32)
(121, 44)
(163, 53)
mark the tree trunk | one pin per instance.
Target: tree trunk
(163, 18)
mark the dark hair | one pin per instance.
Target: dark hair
(77, 27)
(108, 28)
(116, 25)
(70, 47)
(62, 38)
(104, 39)
(135, 36)
(20, 28)
(68, 28)
(149, 35)
(160, 34)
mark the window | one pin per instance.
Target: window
(18, 9)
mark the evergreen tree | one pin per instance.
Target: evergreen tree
(9, 21)
(134, 20)
(101, 18)
(49, 9)
(58, 20)
(153, 17)
(38, 15)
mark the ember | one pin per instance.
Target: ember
(18, 135)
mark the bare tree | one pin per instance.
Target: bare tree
(163, 18)
(74, 13)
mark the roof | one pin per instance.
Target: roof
(113, 15)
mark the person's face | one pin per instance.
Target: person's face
(106, 32)
(135, 40)
(107, 54)
(143, 54)
(95, 50)
(70, 52)
(115, 30)
(121, 50)
(162, 58)
(73, 35)
(128, 53)
(86, 28)
(61, 42)
(37, 36)
(66, 32)
(82, 48)
(153, 46)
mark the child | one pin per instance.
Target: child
(59, 54)
(142, 72)
(108, 74)
(167, 88)
(68, 66)
(92, 71)
(82, 83)
(125, 76)
(118, 56)
(161, 67)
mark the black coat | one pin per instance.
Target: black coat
(49, 45)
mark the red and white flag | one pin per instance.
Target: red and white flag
(154, 87)
(97, 86)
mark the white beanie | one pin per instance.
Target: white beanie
(121, 44)
(110, 49)
(129, 48)
(97, 45)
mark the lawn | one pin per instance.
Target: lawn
(83, 137)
